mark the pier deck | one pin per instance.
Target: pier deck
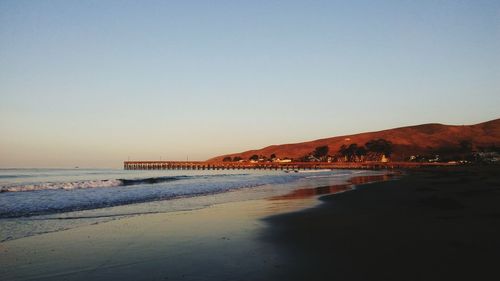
(202, 165)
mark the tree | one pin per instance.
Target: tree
(343, 151)
(466, 149)
(320, 151)
(465, 146)
(273, 156)
(226, 159)
(381, 146)
(360, 152)
(254, 157)
(352, 152)
(237, 158)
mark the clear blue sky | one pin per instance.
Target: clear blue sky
(90, 83)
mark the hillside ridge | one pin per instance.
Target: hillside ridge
(423, 139)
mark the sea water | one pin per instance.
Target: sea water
(34, 201)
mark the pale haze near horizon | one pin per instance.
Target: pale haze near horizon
(93, 83)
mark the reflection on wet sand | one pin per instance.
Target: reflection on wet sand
(303, 193)
(219, 242)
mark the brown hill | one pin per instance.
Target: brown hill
(426, 139)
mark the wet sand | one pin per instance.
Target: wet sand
(221, 242)
(214, 243)
(432, 224)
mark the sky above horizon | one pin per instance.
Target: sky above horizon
(93, 83)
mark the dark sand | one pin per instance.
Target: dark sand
(434, 224)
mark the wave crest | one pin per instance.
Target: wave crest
(61, 185)
(99, 183)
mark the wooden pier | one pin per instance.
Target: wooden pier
(202, 165)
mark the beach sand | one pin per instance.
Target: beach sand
(436, 224)
(428, 225)
(215, 243)
(220, 242)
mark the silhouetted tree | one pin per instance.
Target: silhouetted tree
(465, 146)
(273, 156)
(304, 158)
(254, 157)
(237, 158)
(352, 152)
(320, 151)
(343, 151)
(380, 146)
(360, 152)
(227, 159)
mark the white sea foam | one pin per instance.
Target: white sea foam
(328, 176)
(62, 185)
(314, 171)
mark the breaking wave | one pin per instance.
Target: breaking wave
(97, 183)
(61, 185)
(49, 198)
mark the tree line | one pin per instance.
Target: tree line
(373, 150)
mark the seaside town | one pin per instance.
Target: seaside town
(380, 150)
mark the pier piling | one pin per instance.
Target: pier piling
(202, 165)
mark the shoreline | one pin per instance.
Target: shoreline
(431, 224)
(221, 241)
(55, 220)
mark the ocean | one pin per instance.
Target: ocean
(35, 201)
